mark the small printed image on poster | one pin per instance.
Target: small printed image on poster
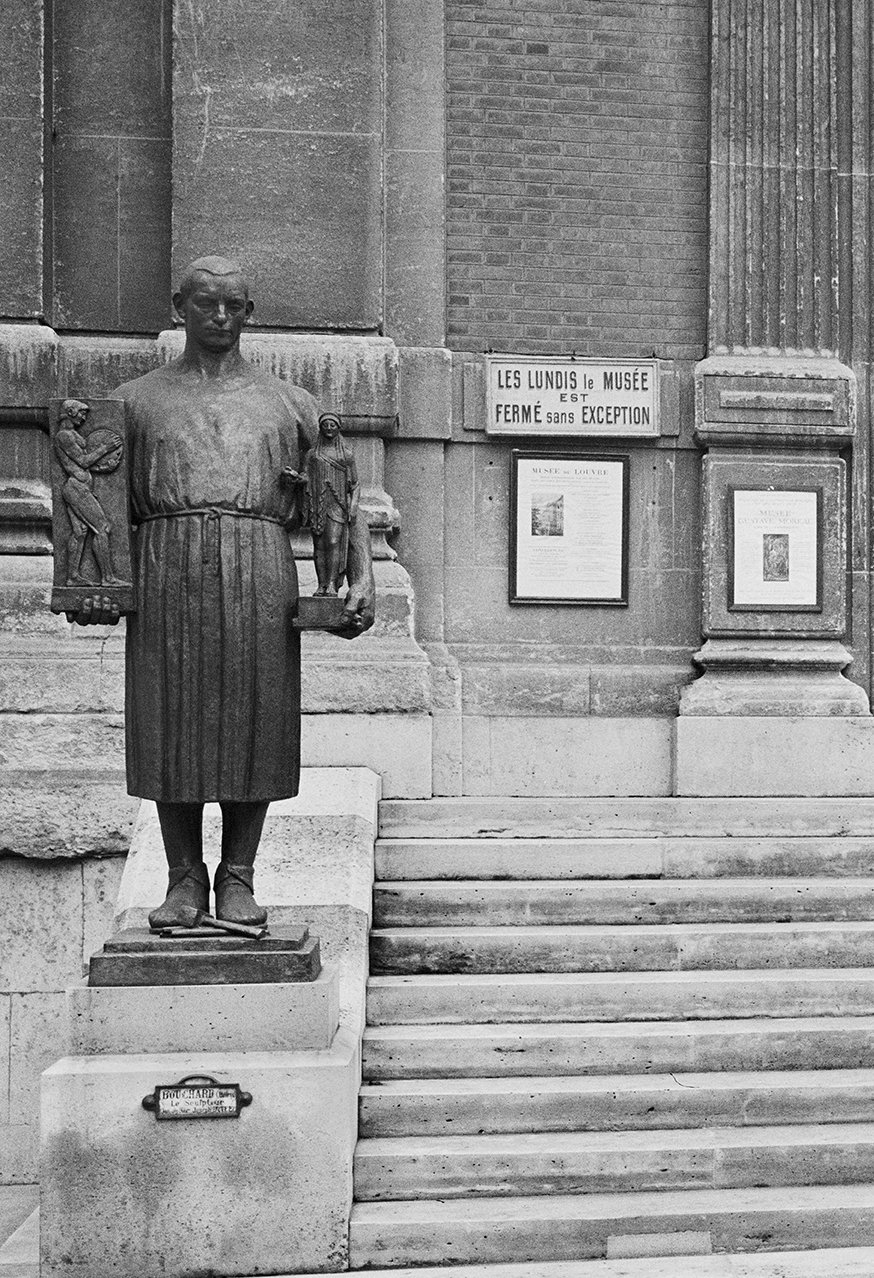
(775, 556)
(547, 515)
(568, 534)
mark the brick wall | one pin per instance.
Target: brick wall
(577, 187)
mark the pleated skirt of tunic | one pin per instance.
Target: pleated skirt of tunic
(213, 662)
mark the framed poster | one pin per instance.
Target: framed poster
(568, 528)
(775, 562)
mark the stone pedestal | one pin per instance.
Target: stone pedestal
(123, 1195)
(776, 430)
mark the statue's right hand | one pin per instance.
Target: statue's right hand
(97, 611)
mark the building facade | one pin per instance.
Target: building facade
(415, 189)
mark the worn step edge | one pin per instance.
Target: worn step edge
(610, 1084)
(630, 947)
(513, 817)
(689, 856)
(842, 1262)
(403, 1167)
(500, 1229)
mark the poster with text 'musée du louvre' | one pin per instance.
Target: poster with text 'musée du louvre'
(568, 529)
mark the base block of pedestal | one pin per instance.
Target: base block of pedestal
(123, 1195)
(767, 755)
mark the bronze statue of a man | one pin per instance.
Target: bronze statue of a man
(213, 660)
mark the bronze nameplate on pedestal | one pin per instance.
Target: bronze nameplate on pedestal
(90, 504)
(197, 1096)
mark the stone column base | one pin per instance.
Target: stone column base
(773, 677)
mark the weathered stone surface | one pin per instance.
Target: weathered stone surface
(98, 365)
(28, 364)
(277, 155)
(773, 676)
(414, 162)
(426, 1107)
(66, 813)
(551, 947)
(131, 1020)
(111, 167)
(807, 756)
(375, 674)
(25, 517)
(43, 907)
(559, 817)
(21, 159)
(586, 1162)
(590, 1047)
(356, 377)
(101, 880)
(425, 393)
(19, 1155)
(37, 1033)
(579, 1227)
(414, 470)
(565, 756)
(395, 746)
(5, 1003)
(106, 1165)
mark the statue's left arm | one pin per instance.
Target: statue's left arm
(360, 605)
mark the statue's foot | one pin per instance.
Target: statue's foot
(234, 900)
(188, 886)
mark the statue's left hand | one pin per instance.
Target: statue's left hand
(358, 610)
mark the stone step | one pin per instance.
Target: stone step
(631, 1047)
(619, 996)
(523, 1164)
(580, 948)
(617, 1102)
(687, 857)
(425, 903)
(831, 1262)
(579, 1227)
(567, 818)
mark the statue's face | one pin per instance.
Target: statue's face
(329, 427)
(215, 310)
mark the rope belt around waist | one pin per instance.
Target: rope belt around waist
(210, 515)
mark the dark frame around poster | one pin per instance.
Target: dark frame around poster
(619, 496)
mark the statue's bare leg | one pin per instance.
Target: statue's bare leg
(188, 880)
(242, 824)
(103, 555)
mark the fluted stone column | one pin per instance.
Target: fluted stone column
(782, 397)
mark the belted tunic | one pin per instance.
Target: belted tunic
(213, 661)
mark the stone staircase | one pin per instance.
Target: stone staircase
(608, 1028)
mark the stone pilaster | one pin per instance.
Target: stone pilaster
(777, 405)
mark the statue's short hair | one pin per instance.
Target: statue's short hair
(209, 266)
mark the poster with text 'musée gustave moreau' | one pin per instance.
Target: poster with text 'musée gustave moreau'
(775, 559)
(568, 529)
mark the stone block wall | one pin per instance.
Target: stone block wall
(56, 914)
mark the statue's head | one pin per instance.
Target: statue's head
(213, 299)
(329, 425)
(75, 410)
